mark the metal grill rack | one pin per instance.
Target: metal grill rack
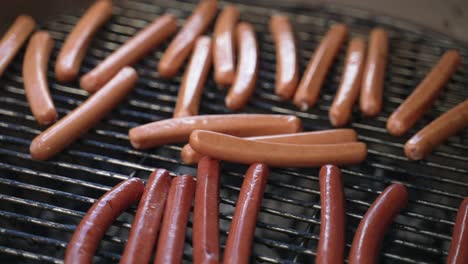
(42, 202)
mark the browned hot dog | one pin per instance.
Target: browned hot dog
(224, 58)
(371, 230)
(130, 52)
(422, 98)
(241, 231)
(14, 38)
(205, 213)
(74, 49)
(309, 87)
(335, 136)
(35, 78)
(247, 67)
(233, 149)
(458, 253)
(287, 67)
(179, 202)
(83, 118)
(145, 225)
(432, 135)
(188, 100)
(99, 218)
(347, 94)
(183, 43)
(374, 73)
(178, 129)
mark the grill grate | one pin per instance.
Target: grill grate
(42, 202)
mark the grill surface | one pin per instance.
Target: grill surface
(42, 202)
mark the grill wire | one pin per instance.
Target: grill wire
(42, 202)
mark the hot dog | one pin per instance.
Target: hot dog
(188, 100)
(371, 230)
(178, 129)
(374, 73)
(309, 87)
(74, 49)
(233, 149)
(14, 38)
(458, 253)
(335, 136)
(172, 237)
(432, 135)
(83, 118)
(287, 67)
(130, 52)
(422, 98)
(145, 225)
(241, 231)
(342, 107)
(247, 68)
(99, 218)
(332, 216)
(183, 43)
(205, 213)
(35, 78)
(224, 58)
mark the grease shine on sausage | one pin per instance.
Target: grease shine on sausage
(348, 92)
(232, 149)
(183, 43)
(432, 135)
(422, 98)
(130, 52)
(35, 78)
(241, 231)
(205, 213)
(458, 253)
(145, 225)
(172, 237)
(178, 129)
(332, 216)
(99, 218)
(309, 87)
(375, 223)
(193, 83)
(84, 117)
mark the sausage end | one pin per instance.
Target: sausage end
(416, 151)
(189, 155)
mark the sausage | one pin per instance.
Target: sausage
(188, 100)
(179, 202)
(287, 66)
(247, 68)
(432, 135)
(332, 216)
(205, 213)
(341, 110)
(83, 118)
(375, 223)
(99, 218)
(224, 57)
(309, 87)
(335, 136)
(13, 39)
(241, 232)
(374, 73)
(35, 78)
(458, 253)
(233, 149)
(178, 129)
(74, 49)
(183, 43)
(130, 52)
(422, 98)
(145, 226)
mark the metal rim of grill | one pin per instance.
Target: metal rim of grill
(42, 202)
